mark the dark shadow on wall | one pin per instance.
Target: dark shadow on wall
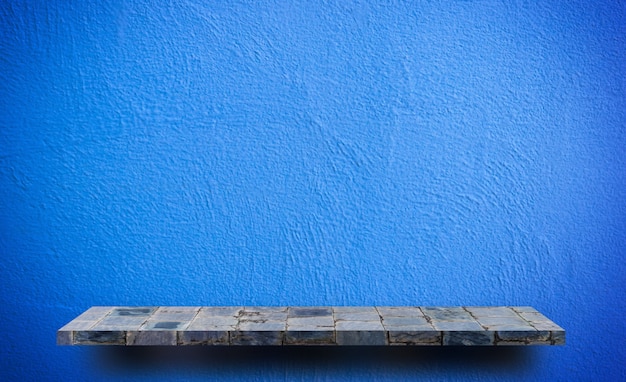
(299, 361)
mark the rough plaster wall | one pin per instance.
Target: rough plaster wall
(305, 153)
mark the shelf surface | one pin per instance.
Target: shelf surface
(310, 325)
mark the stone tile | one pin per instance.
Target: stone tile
(172, 317)
(524, 309)
(266, 309)
(310, 312)
(90, 337)
(261, 315)
(361, 337)
(463, 326)
(99, 310)
(113, 328)
(95, 312)
(357, 316)
(558, 337)
(216, 321)
(133, 311)
(78, 325)
(534, 317)
(404, 321)
(178, 310)
(390, 311)
(199, 326)
(260, 319)
(546, 326)
(447, 314)
(310, 337)
(256, 338)
(354, 309)
(358, 325)
(263, 326)
(415, 337)
(204, 337)
(311, 321)
(540, 322)
(109, 328)
(517, 320)
(165, 325)
(122, 320)
(523, 338)
(65, 337)
(468, 338)
(505, 323)
(119, 323)
(492, 311)
(410, 328)
(165, 312)
(220, 311)
(152, 337)
(510, 328)
(295, 328)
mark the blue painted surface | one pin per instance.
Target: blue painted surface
(312, 153)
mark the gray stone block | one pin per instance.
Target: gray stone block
(220, 311)
(199, 325)
(491, 311)
(266, 309)
(524, 309)
(394, 311)
(447, 314)
(152, 337)
(262, 326)
(558, 337)
(310, 337)
(354, 309)
(418, 338)
(203, 337)
(256, 338)
(361, 338)
(311, 321)
(89, 337)
(505, 323)
(410, 328)
(523, 338)
(133, 311)
(215, 321)
(359, 325)
(357, 316)
(95, 313)
(65, 337)
(164, 325)
(113, 323)
(79, 325)
(468, 338)
(260, 315)
(404, 321)
(464, 326)
(177, 310)
(310, 312)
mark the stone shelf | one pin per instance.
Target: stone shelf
(357, 326)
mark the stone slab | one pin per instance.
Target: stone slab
(311, 326)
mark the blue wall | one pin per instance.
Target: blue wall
(313, 153)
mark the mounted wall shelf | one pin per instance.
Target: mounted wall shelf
(357, 326)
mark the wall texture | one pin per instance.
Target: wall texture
(313, 153)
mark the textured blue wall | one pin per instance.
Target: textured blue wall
(304, 153)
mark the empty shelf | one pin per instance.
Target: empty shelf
(311, 325)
